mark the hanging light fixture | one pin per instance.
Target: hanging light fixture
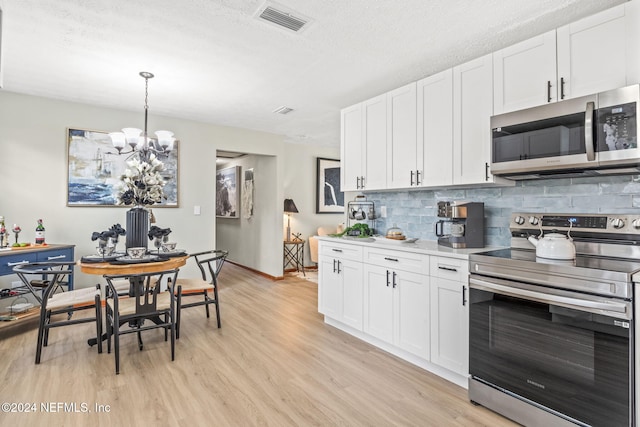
(138, 139)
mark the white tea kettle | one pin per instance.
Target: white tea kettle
(554, 246)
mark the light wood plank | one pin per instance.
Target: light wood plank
(274, 362)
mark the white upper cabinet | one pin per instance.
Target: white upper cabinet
(594, 54)
(472, 110)
(435, 129)
(525, 74)
(352, 149)
(363, 145)
(401, 137)
(375, 137)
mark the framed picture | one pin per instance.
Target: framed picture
(329, 195)
(228, 192)
(95, 168)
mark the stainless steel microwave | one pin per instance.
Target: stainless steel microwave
(590, 135)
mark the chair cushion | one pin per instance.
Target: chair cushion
(127, 306)
(75, 298)
(193, 285)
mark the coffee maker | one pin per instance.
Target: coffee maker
(466, 224)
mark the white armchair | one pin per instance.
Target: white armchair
(313, 241)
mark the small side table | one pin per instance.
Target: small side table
(294, 255)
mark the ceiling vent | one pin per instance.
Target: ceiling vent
(283, 17)
(283, 110)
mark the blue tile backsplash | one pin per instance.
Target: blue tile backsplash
(415, 211)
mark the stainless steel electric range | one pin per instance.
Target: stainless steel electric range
(551, 341)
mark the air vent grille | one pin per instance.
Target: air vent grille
(282, 19)
(283, 110)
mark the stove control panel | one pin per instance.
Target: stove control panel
(595, 223)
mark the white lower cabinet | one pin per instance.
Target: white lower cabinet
(408, 303)
(396, 308)
(340, 273)
(450, 314)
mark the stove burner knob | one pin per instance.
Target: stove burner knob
(518, 220)
(533, 220)
(636, 223)
(617, 223)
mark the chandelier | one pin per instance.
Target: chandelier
(138, 139)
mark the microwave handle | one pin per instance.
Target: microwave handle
(588, 132)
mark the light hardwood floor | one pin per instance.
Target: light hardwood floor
(273, 363)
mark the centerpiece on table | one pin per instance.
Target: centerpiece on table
(141, 185)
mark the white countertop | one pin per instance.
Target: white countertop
(427, 247)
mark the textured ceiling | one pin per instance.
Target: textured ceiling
(215, 62)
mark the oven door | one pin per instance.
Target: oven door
(566, 352)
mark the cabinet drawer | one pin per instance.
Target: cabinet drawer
(450, 268)
(7, 262)
(62, 255)
(341, 250)
(399, 260)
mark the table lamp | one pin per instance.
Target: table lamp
(289, 208)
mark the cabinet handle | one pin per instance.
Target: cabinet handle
(11, 264)
(56, 257)
(588, 131)
(486, 171)
(358, 182)
(391, 259)
(336, 250)
(362, 182)
(464, 296)
(394, 279)
(387, 278)
(339, 266)
(455, 270)
(334, 265)
(417, 177)
(561, 87)
(411, 177)
(548, 90)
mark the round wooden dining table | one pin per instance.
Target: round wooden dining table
(102, 268)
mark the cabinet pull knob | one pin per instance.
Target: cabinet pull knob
(391, 259)
(464, 296)
(411, 177)
(548, 90)
(486, 171)
(56, 257)
(339, 266)
(362, 182)
(334, 265)
(394, 279)
(387, 278)
(561, 87)
(417, 177)
(336, 250)
(455, 270)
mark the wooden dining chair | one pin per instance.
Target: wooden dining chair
(209, 263)
(148, 307)
(53, 304)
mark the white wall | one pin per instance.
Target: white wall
(33, 174)
(33, 180)
(299, 181)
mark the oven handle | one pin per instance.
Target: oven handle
(613, 309)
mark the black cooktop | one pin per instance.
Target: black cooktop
(528, 258)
